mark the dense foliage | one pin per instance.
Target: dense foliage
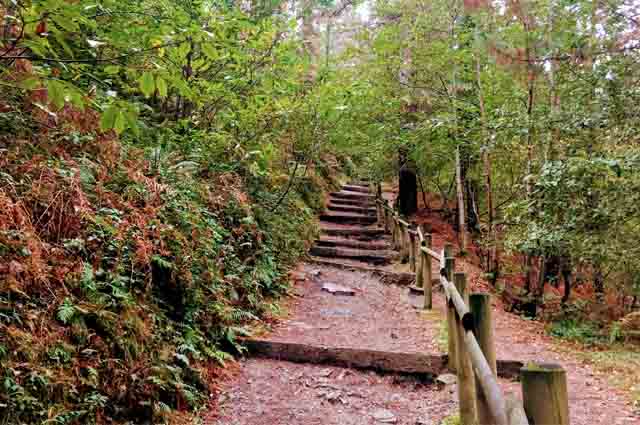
(161, 161)
(161, 166)
(539, 98)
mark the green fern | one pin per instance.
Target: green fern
(238, 316)
(162, 262)
(66, 311)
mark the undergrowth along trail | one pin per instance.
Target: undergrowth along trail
(128, 278)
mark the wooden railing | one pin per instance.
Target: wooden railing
(471, 350)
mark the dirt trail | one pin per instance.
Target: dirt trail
(382, 317)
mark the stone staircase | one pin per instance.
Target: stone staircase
(349, 231)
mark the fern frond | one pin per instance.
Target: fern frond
(66, 311)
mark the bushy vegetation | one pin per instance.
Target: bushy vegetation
(538, 98)
(160, 169)
(161, 161)
(128, 275)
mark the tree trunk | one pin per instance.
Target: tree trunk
(408, 190)
(551, 270)
(565, 270)
(462, 231)
(598, 283)
(310, 39)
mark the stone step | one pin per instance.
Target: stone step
(345, 194)
(355, 188)
(347, 218)
(364, 183)
(395, 362)
(364, 255)
(361, 234)
(386, 276)
(351, 208)
(352, 243)
(362, 203)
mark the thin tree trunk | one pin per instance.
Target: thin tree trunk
(424, 194)
(565, 270)
(310, 39)
(492, 257)
(530, 103)
(598, 283)
(461, 207)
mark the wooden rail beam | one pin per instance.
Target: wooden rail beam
(480, 306)
(466, 382)
(427, 282)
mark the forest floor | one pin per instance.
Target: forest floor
(384, 317)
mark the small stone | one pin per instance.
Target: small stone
(325, 372)
(447, 379)
(384, 416)
(334, 397)
(397, 398)
(334, 289)
(335, 312)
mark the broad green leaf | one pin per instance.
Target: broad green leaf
(77, 99)
(30, 83)
(66, 23)
(108, 119)
(210, 51)
(60, 38)
(132, 121)
(120, 123)
(161, 85)
(111, 69)
(56, 91)
(147, 85)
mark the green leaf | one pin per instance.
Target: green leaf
(108, 118)
(210, 52)
(61, 40)
(77, 99)
(147, 85)
(111, 69)
(30, 83)
(66, 311)
(56, 91)
(161, 85)
(132, 121)
(121, 123)
(65, 22)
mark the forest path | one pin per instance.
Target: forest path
(351, 254)
(353, 257)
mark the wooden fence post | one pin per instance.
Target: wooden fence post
(394, 231)
(405, 243)
(386, 220)
(448, 252)
(420, 265)
(427, 283)
(480, 306)
(466, 381)
(412, 251)
(449, 266)
(544, 392)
